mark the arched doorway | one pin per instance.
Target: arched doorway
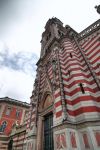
(48, 124)
(45, 124)
(48, 132)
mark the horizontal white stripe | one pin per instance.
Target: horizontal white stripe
(89, 43)
(79, 94)
(88, 50)
(57, 91)
(57, 99)
(85, 116)
(73, 72)
(75, 86)
(67, 43)
(94, 51)
(20, 142)
(74, 66)
(83, 104)
(19, 148)
(76, 78)
(59, 108)
(94, 58)
(70, 61)
(68, 50)
(88, 39)
(21, 137)
(67, 65)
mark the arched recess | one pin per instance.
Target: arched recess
(45, 122)
(46, 101)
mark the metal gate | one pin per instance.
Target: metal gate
(48, 132)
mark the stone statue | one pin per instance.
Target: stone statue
(98, 9)
(3, 126)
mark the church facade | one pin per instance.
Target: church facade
(65, 102)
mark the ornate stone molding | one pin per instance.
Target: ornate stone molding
(95, 26)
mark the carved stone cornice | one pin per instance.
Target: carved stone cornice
(89, 30)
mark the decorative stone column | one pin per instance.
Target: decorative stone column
(40, 133)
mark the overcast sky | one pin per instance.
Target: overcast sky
(21, 25)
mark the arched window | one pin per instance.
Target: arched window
(3, 126)
(18, 113)
(8, 111)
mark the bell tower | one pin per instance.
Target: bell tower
(66, 94)
(53, 30)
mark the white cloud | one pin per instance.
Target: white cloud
(16, 84)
